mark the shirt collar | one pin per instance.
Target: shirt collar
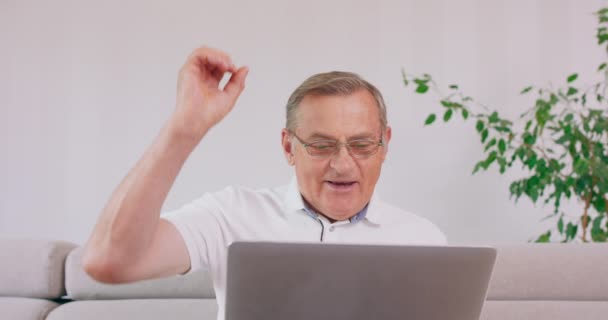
(295, 202)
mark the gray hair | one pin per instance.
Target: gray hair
(332, 83)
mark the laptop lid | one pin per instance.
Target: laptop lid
(343, 281)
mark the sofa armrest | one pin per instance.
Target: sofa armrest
(33, 268)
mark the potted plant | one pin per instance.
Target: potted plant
(561, 141)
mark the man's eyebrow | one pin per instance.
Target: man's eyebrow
(359, 136)
(318, 135)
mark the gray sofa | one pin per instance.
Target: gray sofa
(44, 280)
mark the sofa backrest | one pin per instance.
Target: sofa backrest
(80, 286)
(549, 272)
(552, 271)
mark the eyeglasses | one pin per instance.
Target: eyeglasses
(326, 148)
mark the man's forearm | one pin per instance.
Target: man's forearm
(129, 220)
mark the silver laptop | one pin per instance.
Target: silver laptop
(296, 281)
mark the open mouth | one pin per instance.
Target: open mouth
(341, 185)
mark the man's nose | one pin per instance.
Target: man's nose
(342, 161)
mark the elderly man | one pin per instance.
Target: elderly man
(336, 138)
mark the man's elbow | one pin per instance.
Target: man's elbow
(103, 268)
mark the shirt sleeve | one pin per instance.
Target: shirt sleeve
(202, 227)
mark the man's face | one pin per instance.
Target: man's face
(337, 186)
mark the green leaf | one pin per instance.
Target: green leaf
(490, 144)
(586, 127)
(563, 139)
(601, 32)
(572, 77)
(515, 188)
(599, 204)
(569, 117)
(465, 114)
(571, 230)
(447, 103)
(597, 233)
(581, 165)
(430, 119)
(447, 115)
(504, 122)
(491, 158)
(531, 162)
(532, 193)
(526, 90)
(560, 225)
(422, 88)
(533, 181)
(479, 125)
(529, 139)
(421, 81)
(494, 117)
(601, 67)
(477, 167)
(553, 99)
(484, 135)
(571, 91)
(502, 162)
(502, 146)
(544, 238)
(454, 87)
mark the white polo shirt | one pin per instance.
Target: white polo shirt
(211, 223)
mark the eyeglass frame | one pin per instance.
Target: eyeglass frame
(379, 144)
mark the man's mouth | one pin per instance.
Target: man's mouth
(341, 185)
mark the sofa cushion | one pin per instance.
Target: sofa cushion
(32, 268)
(550, 272)
(80, 286)
(544, 310)
(25, 308)
(148, 309)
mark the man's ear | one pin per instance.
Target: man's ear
(287, 147)
(386, 139)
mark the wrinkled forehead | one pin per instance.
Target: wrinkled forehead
(339, 116)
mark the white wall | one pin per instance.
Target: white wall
(86, 85)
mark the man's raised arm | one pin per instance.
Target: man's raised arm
(130, 242)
